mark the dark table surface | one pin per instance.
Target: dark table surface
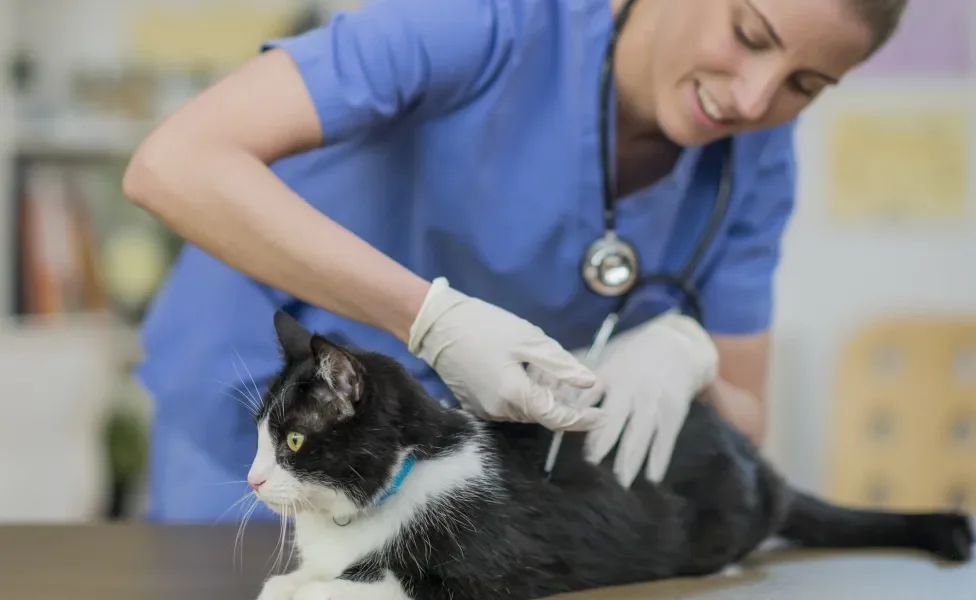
(144, 562)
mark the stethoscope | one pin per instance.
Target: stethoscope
(611, 265)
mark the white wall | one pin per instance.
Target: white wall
(56, 387)
(835, 277)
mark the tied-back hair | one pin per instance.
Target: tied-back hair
(881, 16)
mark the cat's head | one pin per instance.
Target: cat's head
(329, 426)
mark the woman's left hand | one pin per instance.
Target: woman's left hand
(649, 375)
(647, 378)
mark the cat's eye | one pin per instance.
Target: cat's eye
(295, 440)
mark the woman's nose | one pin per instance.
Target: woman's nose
(754, 96)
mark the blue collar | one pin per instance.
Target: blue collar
(397, 479)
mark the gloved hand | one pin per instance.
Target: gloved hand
(478, 349)
(649, 375)
(647, 378)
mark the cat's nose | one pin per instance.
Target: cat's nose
(255, 481)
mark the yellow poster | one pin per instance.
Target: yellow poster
(909, 163)
(213, 35)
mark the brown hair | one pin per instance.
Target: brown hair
(881, 16)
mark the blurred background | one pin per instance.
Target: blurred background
(873, 389)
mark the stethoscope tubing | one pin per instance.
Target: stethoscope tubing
(609, 179)
(682, 281)
(606, 78)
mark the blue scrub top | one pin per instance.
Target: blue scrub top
(462, 142)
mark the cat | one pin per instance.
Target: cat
(396, 497)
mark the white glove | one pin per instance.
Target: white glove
(478, 349)
(650, 375)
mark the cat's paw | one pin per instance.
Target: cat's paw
(336, 589)
(949, 536)
(342, 589)
(281, 587)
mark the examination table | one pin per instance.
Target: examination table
(146, 562)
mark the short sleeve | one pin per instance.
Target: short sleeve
(368, 66)
(737, 294)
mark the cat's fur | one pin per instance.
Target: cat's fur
(475, 519)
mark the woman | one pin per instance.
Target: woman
(342, 171)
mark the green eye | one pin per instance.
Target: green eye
(295, 440)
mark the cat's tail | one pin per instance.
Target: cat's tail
(812, 522)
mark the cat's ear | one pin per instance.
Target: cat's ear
(293, 338)
(338, 369)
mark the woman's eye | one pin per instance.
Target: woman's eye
(801, 89)
(745, 40)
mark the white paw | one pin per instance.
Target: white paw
(280, 587)
(337, 589)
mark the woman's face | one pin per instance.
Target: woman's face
(706, 69)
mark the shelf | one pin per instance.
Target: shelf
(79, 136)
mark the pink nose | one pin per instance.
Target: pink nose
(255, 482)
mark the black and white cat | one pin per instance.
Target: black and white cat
(395, 497)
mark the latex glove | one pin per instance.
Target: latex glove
(647, 378)
(478, 349)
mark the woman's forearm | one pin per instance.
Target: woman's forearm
(226, 201)
(740, 408)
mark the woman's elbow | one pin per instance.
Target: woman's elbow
(261, 112)
(149, 167)
(163, 169)
(135, 181)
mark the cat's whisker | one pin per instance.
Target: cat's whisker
(305, 502)
(291, 543)
(250, 409)
(257, 392)
(282, 535)
(291, 554)
(278, 400)
(244, 398)
(353, 469)
(231, 507)
(280, 406)
(274, 552)
(239, 538)
(284, 531)
(255, 401)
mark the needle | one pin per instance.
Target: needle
(592, 355)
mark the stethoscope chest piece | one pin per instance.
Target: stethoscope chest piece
(610, 266)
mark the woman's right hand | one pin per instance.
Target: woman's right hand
(479, 350)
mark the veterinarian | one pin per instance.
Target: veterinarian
(423, 178)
